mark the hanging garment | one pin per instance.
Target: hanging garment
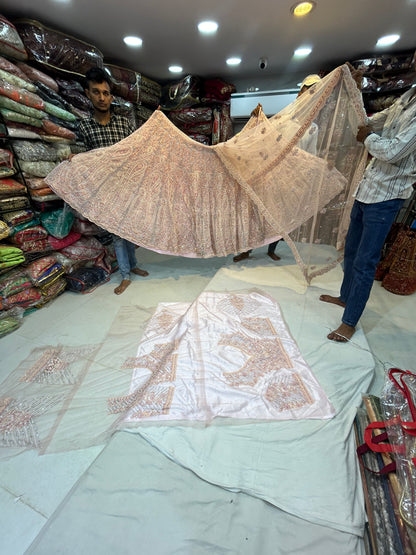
(159, 189)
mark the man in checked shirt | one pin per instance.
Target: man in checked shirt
(105, 129)
(390, 137)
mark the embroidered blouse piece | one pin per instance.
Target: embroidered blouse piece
(160, 189)
(247, 366)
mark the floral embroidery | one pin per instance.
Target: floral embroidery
(265, 355)
(155, 396)
(288, 392)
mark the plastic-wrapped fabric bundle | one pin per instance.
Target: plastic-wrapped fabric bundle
(58, 223)
(51, 128)
(10, 256)
(226, 124)
(58, 50)
(143, 112)
(22, 133)
(18, 81)
(11, 116)
(86, 249)
(133, 86)
(69, 264)
(36, 268)
(4, 230)
(380, 103)
(24, 225)
(44, 192)
(25, 298)
(40, 168)
(84, 280)
(11, 204)
(45, 196)
(73, 93)
(21, 95)
(30, 151)
(10, 68)
(49, 275)
(35, 246)
(6, 163)
(51, 291)
(48, 94)
(217, 90)
(181, 94)
(59, 112)
(13, 282)
(69, 239)
(9, 322)
(18, 217)
(203, 139)
(10, 41)
(35, 74)
(386, 63)
(11, 187)
(9, 104)
(30, 234)
(191, 116)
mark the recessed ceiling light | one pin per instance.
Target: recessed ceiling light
(387, 40)
(233, 61)
(302, 52)
(302, 8)
(207, 27)
(175, 69)
(133, 41)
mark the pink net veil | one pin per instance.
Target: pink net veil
(168, 193)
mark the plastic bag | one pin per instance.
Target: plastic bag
(10, 41)
(85, 280)
(58, 223)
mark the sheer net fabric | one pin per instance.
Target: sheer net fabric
(168, 193)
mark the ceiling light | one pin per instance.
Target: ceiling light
(233, 61)
(207, 27)
(302, 8)
(175, 69)
(387, 40)
(302, 52)
(133, 41)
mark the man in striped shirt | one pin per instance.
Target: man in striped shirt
(105, 129)
(390, 138)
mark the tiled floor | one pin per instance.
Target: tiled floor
(32, 486)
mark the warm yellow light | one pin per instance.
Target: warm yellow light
(302, 8)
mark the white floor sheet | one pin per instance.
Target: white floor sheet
(235, 487)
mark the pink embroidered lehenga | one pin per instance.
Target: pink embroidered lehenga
(161, 190)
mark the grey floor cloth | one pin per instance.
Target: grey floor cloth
(135, 500)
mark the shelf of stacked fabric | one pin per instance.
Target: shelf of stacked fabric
(134, 86)
(200, 108)
(135, 96)
(385, 77)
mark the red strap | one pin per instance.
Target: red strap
(364, 448)
(385, 447)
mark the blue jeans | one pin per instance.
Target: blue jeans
(369, 226)
(126, 257)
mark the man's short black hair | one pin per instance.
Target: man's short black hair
(96, 75)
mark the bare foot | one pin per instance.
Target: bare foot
(342, 334)
(122, 287)
(241, 256)
(139, 272)
(333, 300)
(273, 256)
